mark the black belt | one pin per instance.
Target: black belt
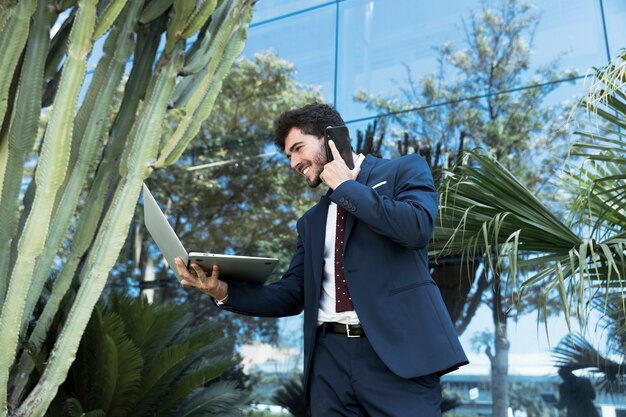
(350, 330)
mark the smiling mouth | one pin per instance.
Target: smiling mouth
(305, 170)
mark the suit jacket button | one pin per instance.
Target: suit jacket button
(341, 200)
(353, 209)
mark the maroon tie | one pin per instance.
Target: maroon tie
(343, 301)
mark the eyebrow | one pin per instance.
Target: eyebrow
(293, 146)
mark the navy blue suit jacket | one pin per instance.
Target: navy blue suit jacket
(386, 269)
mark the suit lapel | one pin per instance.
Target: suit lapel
(366, 167)
(318, 234)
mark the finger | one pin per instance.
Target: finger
(181, 268)
(334, 151)
(198, 270)
(323, 176)
(179, 263)
(215, 272)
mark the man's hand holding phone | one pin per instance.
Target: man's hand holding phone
(336, 171)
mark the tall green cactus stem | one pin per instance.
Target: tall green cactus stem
(108, 16)
(182, 11)
(4, 14)
(22, 133)
(225, 48)
(89, 219)
(145, 138)
(58, 48)
(4, 160)
(89, 127)
(51, 171)
(206, 105)
(12, 40)
(154, 9)
(21, 136)
(199, 17)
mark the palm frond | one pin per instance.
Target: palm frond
(291, 396)
(198, 377)
(109, 364)
(483, 205)
(128, 382)
(115, 377)
(575, 352)
(612, 323)
(221, 399)
(485, 211)
(151, 327)
(73, 408)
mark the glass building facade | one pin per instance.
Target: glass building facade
(348, 45)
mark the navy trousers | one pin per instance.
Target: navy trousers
(349, 380)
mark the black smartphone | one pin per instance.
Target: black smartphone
(341, 137)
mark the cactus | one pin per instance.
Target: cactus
(93, 148)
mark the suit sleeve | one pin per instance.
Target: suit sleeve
(279, 299)
(407, 214)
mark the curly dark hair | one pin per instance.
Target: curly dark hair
(311, 119)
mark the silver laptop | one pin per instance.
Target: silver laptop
(241, 268)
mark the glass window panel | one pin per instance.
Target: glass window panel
(561, 98)
(355, 128)
(272, 9)
(569, 92)
(573, 28)
(615, 14)
(307, 40)
(380, 40)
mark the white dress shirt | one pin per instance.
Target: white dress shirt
(326, 312)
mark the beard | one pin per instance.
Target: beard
(317, 164)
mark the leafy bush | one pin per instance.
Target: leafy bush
(140, 359)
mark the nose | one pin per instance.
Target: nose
(294, 161)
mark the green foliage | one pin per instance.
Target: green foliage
(486, 210)
(290, 395)
(73, 210)
(141, 359)
(582, 259)
(231, 192)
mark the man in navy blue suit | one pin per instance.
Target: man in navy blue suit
(377, 336)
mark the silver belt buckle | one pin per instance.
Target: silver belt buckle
(348, 332)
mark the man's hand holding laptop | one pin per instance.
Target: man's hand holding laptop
(198, 278)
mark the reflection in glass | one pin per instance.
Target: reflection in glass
(574, 29)
(306, 40)
(380, 40)
(272, 9)
(615, 14)
(382, 44)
